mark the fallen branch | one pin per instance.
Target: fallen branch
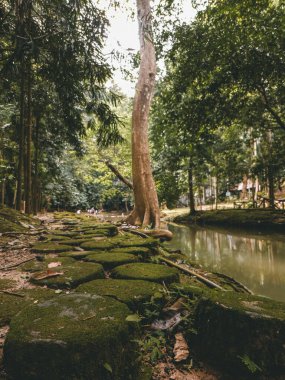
(235, 282)
(135, 232)
(12, 293)
(16, 265)
(156, 233)
(199, 277)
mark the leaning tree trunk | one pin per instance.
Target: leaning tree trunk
(146, 210)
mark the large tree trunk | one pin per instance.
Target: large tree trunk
(146, 210)
(21, 139)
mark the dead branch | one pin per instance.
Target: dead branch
(12, 293)
(17, 264)
(199, 277)
(118, 174)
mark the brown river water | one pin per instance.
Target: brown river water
(255, 259)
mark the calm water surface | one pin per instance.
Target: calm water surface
(257, 260)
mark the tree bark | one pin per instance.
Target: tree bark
(191, 190)
(271, 186)
(21, 140)
(244, 187)
(146, 210)
(36, 172)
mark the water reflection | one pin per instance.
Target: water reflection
(258, 261)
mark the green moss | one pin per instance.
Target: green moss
(41, 265)
(110, 260)
(55, 237)
(255, 218)
(63, 233)
(10, 305)
(50, 248)
(7, 284)
(72, 275)
(75, 254)
(132, 292)
(98, 245)
(97, 229)
(8, 226)
(143, 251)
(74, 241)
(76, 336)
(149, 272)
(243, 326)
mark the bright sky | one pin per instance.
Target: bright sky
(123, 35)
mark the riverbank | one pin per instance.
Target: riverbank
(160, 317)
(262, 219)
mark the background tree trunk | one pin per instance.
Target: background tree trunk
(191, 191)
(146, 209)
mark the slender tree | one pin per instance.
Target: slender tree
(146, 210)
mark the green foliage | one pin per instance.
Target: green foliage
(250, 365)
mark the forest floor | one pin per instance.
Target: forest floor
(77, 256)
(16, 253)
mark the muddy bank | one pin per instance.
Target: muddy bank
(255, 219)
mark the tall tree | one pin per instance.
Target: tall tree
(146, 209)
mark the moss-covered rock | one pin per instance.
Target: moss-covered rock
(250, 329)
(10, 305)
(110, 260)
(64, 233)
(101, 245)
(120, 242)
(141, 251)
(14, 221)
(54, 237)
(132, 241)
(76, 337)
(132, 292)
(6, 283)
(150, 272)
(69, 276)
(50, 248)
(75, 254)
(75, 241)
(40, 265)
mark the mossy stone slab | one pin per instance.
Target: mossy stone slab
(57, 237)
(50, 248)
(142, 251)
(110, 260)
(6, 283)
(101, 245)
(40, 265)
(63, 233)
(244, 326)
(75, 241)
(74, 337)
(75, 254)
(10, 305)
(144, 271)
(132, 292)
(72, 275)
(131, 241)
